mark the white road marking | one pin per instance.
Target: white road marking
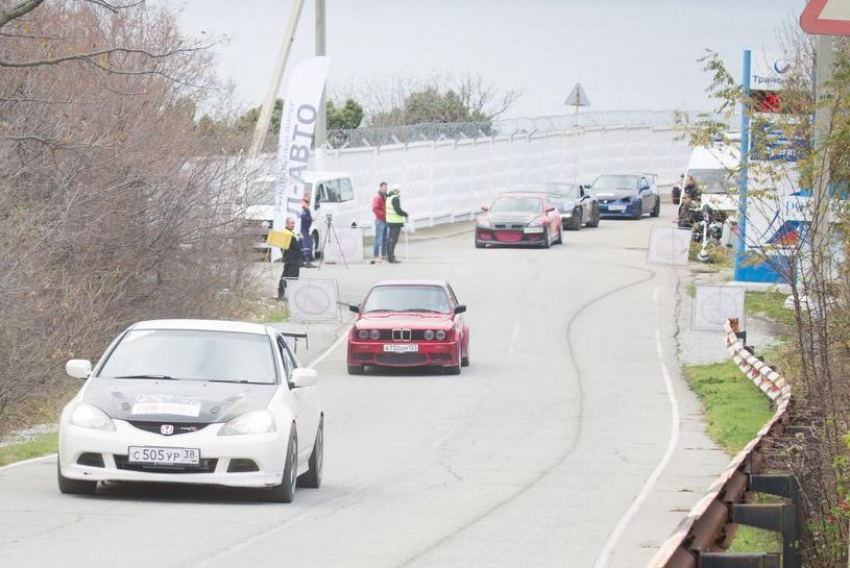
(330, 349)
(25, 462)
(614, 537)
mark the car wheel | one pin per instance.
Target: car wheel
(285, 492)
(594, 218)
(312, 478)
(74, 486)
(577, 221)
(455, 369)
(355, 369)
(546, 242)
(638, 211)
(656, 211)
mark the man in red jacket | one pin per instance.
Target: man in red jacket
(379, 208)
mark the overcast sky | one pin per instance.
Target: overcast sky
(628, 54)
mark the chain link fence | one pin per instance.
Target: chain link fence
(432, 131)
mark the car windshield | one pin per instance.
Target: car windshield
(427, 299)
(567, 190)
(713, 181)
(614, 182)
(517, 205)
(192, 355)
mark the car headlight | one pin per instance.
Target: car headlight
(88, 416)
(363, 334)
(374, 334)
(428, 335)
(441, 335)
(483, 221)
(257, 422)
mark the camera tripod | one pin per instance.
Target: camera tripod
(330, 230)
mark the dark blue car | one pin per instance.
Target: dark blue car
(629, 195)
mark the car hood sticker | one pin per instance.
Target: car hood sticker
(178, 401)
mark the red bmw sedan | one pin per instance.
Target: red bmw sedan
(409, 323)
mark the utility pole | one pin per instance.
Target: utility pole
(320, 135)
(823, 121)
(274, 86)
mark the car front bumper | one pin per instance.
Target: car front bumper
(429, 354)
(515, 237)
(267, 451)
(630, 209)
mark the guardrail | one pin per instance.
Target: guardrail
(702, 537)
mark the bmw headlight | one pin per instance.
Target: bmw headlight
(441, 335)
(363, 334)
(428, 335)
(374, 335)
(257, 422)
(88, 416)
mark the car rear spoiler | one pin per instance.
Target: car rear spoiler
(296, 335)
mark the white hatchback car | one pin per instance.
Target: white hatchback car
(194, 401)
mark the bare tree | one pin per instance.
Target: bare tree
(115, 205)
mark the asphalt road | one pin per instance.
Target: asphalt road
(570, 441)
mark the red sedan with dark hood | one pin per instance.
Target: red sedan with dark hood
(520, 219)
(409, 323)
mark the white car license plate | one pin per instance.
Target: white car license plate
(163, 456)
(616, 208)
(401, 348)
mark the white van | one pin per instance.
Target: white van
(715, 171)
(332, 198)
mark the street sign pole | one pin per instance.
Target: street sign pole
(577, 98)
(741, 255)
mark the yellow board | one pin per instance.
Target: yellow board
(280, 239)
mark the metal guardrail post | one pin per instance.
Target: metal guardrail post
(783, 518)
(723, 560)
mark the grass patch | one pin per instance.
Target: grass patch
(735, 410)
(275, 314)
(40, 446)
(691, 289)
(770, 305)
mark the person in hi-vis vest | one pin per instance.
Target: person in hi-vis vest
(291, 258)
(396, 217)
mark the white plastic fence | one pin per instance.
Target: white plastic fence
(448, 180)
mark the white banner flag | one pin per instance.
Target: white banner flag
(297, 126)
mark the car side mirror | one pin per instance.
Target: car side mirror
(550, 209)
(354, 308)
(485, 208)
(78, 368)
(644, 188)
(304, 377)
(460, 309)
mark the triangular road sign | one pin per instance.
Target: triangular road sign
(577, 97)
(826, 17)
